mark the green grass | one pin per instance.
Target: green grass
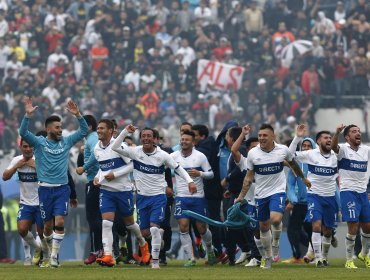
(175, 270)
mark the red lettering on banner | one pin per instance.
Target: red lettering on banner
(217, 84)
(238, 71)
(208, 71)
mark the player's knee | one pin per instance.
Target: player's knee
(22, 230)
(154, 231)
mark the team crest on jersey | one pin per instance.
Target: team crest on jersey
(311, 206)
(351, 204)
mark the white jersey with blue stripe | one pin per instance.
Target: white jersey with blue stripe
(352, 167)
(322, 171)
(268, 169)
(110, 161)
(196, 160)
(28, 182)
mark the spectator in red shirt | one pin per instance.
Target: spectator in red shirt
(98, 53)
(340, 74)
(52, 37)
(311, 86)
(223, 47)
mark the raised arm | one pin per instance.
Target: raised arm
(23, 130)
(299, 133)
(117, 143)
(335, 139)
(236, 146)
(82, 132)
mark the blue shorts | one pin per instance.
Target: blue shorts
(151, 209)
(112, 201)
(195, 204)
(272, 203)
(355, 207)
(252, 212)
(28, 212)
(54, 201)
(324, 208)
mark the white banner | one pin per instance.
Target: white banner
(222, 76)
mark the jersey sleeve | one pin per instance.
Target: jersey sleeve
(249, 164)
(207, 172)
(122, 148)
(341, 152)
(303, 156)
(289, 155)
(12, 163)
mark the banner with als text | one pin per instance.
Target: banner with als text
(222, 76)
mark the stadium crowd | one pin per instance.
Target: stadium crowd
(136, 61)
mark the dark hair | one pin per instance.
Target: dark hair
(147, 128)
(267, 126)
(202, 129)
(22, 140)
(155, 133)
(42, 133)
(234, 132)
(347, 128)
(108, 123)
(128, 137)
(318, 135)
(189, 132)
(52, 119)
(90, 120)
(115, 124)
(186, 123)
(249, 142)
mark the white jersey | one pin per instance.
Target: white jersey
(149, 169)
(110, 161)
(242, 164)
(322, 171)
(353, 167)
(268, 169)
(28, 182)
(196, 160)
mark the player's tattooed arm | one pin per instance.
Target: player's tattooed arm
(248, 180)
(298, 171)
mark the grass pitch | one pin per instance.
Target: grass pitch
(175, 270)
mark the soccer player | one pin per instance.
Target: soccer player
(115, 192)
(51, 156)
(322, 206)
(265, 164)
(198, 167)
(29, 209)
(149, 167)
(241, 161)
(353, 160)
(93, 215)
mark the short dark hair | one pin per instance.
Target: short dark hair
(249, 142)
(318, 135)
(189, 132)
(347, 128)
(147, 128)
(155, 133)
(90, 120)
(22, 140)
(108, 123)
(234, 132)
(267, 126)
(115, 124)
(186, 123)
(202, 129)
(52, 119)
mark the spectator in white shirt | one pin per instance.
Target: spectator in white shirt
(133, 77)
(187, 52)
(4, 26)
(51, 93)
(54, 58)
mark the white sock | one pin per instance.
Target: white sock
(38, 240)
(45, 249)
(350, 246)
(310, 249)
(49, 241)
(27, 249)
(122, 239)
(186, 244)
(31, 240)
(107, 237)
(135, 230)
(316, 243)
(326, 243)
(266, 243)
(365, 240)
(259, 246)
(57, 240)
(276, 232)
(207, 238)
(156, 242)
